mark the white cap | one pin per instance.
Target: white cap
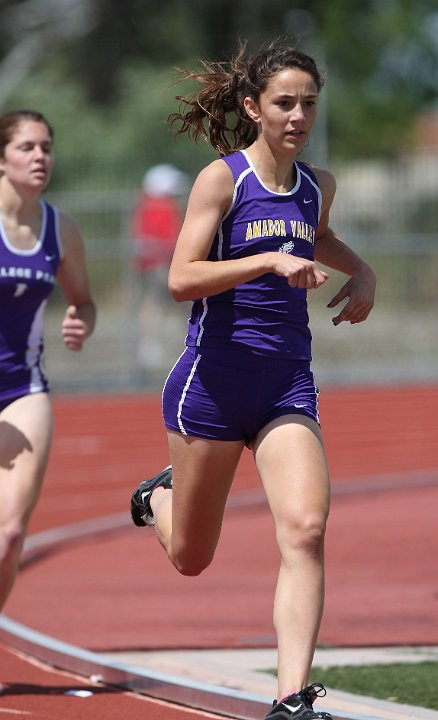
(165, 179)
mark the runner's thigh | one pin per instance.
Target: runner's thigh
(290, 458)
(25, 436)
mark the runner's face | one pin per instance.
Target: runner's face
(28, 159)
(286, 110)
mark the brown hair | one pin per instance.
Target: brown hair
(10, 121)
(224, 87)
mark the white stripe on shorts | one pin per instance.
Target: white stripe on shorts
(184, 393)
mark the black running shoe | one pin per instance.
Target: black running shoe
(299, 706)
(141, 512)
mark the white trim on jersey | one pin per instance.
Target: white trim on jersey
(292, 191)
(34, 354)
(238, 182)
(58, 232)
(39, 243)
(317, 188)
(201, 321)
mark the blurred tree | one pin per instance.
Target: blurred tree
(160, 33)
(31, 28)
(381, 57)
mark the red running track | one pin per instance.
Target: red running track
(119, 592)
(35, 692)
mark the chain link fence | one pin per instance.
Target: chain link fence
(387, 211)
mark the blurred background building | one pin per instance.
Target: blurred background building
(104, 74)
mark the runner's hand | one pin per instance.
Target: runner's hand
(299, 272)
(73, 329)
(360, 289)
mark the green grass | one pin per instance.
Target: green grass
(406, 683)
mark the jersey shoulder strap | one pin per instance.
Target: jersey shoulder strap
(238, 164)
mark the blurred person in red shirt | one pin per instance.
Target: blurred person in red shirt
(156, 221)
(157, 217)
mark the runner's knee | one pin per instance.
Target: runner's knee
(191, 563)
(305, 535)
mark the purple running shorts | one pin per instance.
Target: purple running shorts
(231, 394)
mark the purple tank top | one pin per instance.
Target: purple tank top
(27, 277)
(263, 316)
